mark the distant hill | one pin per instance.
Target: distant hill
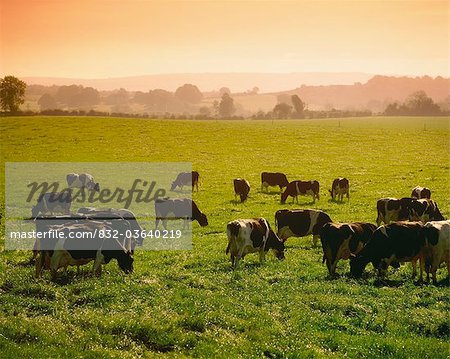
(375, 94)
(237, 82)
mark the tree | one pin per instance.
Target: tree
(47, 102)
(420, 104)
(226, 106)
(299, 106)
(189, 93)
(12, 93)
(282, 110)
(224, 90)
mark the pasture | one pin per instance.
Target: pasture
(190, 303)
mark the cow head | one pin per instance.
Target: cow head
(418, 211)
(125, 262)
(357, 266)
(173, 186)
(243, 196)
(202, 220)
(96, 187)
(275, 244)
(431, 234)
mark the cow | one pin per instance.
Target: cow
(303, 188)
(339, 188)
(83, 180)
(53, 202)
(395, 242)
(241, 188)
(393, 209)
(116, 216)
(185, 179)
(300, 223)
(178, 208)
(250, 236)
(437, 234)
(424, 210)
(273, 179)
(341, 240)
(80, 244)
(421, 192)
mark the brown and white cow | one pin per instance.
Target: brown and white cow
(53, 202)
(80, 244)
(241, 188)
(421, 192)
(437, 234)
(300, 223)
(339, 188)
(393, 209)
(178, 208)
(424, 210)
(186, 179)
(395, 242)
(83, 180)
(341, 240)
(250, 236)
(302, 188)
(273, 179)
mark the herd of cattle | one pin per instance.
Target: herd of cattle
(418, 231)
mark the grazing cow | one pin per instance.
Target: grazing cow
(437, 234)
(340, 187)
(83, 243)
(273, 179)
(185, 179)
(53, 202)
(178, 208)
(300, 223)
(424, 210)
(83, 180)
(303, 188)
(393, 209)
(340, 240)
(395, 242)
(116, 217)
(241, 188)
(249, 236)
(421, 192)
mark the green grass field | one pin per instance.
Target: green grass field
(190, 303)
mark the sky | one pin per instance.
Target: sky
(109, 38)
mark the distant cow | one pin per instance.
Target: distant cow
(340, 240)
(83, 180)
(393, 209)
(302, 188)
(395, 242)
(249, 236)
(241, 188)
(421, 192)
(178, 208)
(437, 234)
(339, 188)
(85, 245)
(273, 179)
(186, 179)
(300, 223)
(53, 202)
(424, 210)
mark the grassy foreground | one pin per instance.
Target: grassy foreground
(189, 303)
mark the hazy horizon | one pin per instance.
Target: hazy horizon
(115, 39)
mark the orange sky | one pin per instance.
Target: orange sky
(108, 38)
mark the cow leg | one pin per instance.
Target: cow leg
(262, 256)
(422, 266)
(39, 264)
(316, 237)
(235, 262)
(97, 269)
(164, 223)
(414, 268)
(157, 222)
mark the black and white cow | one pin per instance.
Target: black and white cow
(186, 179)
(339, 188)
(341, 240)
(53, 202)
(393, 209)
(241, 188)
(178, 208)
(301, 188)
(437, 234)
(421, 192)
(250, 236)
(300, 223)
(83, 180)
(395, 242)
(80, 244)
(424, 210)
